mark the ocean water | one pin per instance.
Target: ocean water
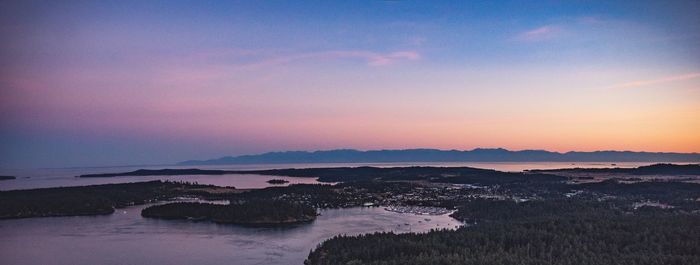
(58, 177)
(126, 238)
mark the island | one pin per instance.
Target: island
(7, 177)
(98, 199)
(277, 181)
(255, 212)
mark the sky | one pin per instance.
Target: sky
(96, 83)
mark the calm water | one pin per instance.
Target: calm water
(126, 238)
(44, 178)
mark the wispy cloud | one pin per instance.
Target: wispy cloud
(370, 58)
(564, 27)
(214, 65)
(667, 79)
(538, 34)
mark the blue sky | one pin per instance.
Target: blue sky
(134, 82)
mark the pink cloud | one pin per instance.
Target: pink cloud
(385, 59)
(205, 67)
(667, 79)
(538, 34)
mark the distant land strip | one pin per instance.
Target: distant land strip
(159, 172)
(656, 169)
(334, 174)
(436, 155)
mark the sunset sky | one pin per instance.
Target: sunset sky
(88, 83)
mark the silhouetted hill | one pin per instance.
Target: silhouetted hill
(157, 172)
(435, 155)
(656, 169)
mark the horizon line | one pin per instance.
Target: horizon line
(361, 150)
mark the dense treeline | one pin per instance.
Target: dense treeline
(7, 177)
(649, 189)
(482, 210)
(678, 194)
(256, 212)
(87, 200)
(534, 233)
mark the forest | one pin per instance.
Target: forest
(544, 232)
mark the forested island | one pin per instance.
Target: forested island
(255, 212)
(7, 177)
(95, 199)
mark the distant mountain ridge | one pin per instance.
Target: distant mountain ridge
(436, 155)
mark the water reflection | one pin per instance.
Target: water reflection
(127, 238)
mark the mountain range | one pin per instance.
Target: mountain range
(436, 155)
